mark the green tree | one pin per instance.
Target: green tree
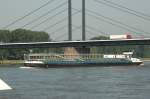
(21, 35)
(4, 36)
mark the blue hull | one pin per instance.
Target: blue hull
(82, 64)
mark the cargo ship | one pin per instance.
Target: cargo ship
(82, 60)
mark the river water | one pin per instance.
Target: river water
(132, 82)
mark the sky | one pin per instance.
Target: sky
(12, 10)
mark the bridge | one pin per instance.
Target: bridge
(88, 43)
(84, 42)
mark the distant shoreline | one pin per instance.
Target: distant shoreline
(145, 59)
(11, 62)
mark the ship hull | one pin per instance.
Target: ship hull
(55, 65)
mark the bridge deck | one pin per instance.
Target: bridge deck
(77, 43)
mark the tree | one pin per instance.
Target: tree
(4, 36)
(21, 35)
(100, 38)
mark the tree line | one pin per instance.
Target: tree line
(21, 35)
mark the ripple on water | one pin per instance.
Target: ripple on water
(77, 83)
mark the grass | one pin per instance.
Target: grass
(11, 62)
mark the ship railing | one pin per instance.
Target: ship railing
(60, 57)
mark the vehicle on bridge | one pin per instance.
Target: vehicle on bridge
(62, 60)
(118, 37)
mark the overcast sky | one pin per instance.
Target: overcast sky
(14, 9)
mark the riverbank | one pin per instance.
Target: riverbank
(145, 59)
(11, 62)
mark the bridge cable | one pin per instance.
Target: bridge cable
(45, 14)
(64, 34)
(48, 19)
(73, 30)
(141, 13)
(117, 21)
(87, 31)
(92, 33)
(89, 27)
(61, 36)
(28, 14)
(60, 21)
(123, 10)
(59, 29)
(96, 30)
(112, 23)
